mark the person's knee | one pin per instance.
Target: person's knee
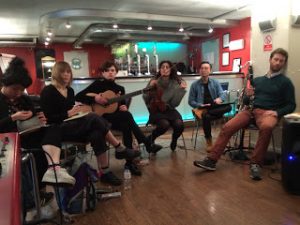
(267, 127)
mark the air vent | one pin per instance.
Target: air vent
(267, 25)
(296, 21)
(18, 41)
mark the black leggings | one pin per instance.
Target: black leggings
(91, 128)
(163, 125)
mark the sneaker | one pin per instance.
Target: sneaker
(173, 144)
(207, 164)
(153, 148)
(134, 169)
(63, 177)
(110, 178)
(127, 153)
(255, 171)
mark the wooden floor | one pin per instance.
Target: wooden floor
(173, 191)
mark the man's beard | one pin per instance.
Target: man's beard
(275, 69)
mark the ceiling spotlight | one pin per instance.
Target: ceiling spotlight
(210, 30)
(49, 33)
(48, 39)
(46, 43)
(180, 28)
(115, 26)
(149, 27)
(68, 25)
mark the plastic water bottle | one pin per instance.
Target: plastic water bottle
(127, 179)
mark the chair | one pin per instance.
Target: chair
(237, 152)
(197, 113)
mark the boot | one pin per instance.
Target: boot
(208, 144)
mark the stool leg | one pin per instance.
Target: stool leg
(196, 135)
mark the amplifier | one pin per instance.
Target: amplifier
(291, 155)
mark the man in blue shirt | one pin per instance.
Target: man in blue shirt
(207, 93)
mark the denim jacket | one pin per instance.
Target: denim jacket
(196, 95)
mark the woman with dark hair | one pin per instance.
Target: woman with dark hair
(58, 103)
(15, 108)
(162, 103)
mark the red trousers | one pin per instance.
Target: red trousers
(265, 124)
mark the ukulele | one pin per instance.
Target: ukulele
(112, 101)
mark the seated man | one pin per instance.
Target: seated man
(208, 94)
(121, 119)
(274, 97)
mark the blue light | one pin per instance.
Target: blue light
(291, 157)
(159, 46)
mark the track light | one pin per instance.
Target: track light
(48, 39)
(68, 25)
(46, 43)
(210, 30)
(181, 29)
(49, 33)
(115, 26)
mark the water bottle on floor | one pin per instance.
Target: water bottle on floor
(127, 179)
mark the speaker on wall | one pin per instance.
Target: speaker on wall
(296, 21)
(267, 25)
(291, 155)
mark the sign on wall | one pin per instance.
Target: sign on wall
(79, 63)
(268, 42)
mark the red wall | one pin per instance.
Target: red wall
(97, 54)
(241, 31)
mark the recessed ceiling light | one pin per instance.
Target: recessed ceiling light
(115, 26)
(48, 39)
(149, 27)
(46, 43)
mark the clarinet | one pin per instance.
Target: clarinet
(241, 100)
(250, 78)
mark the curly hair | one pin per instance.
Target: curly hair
(16, 73)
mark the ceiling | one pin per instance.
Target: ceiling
(91, 20)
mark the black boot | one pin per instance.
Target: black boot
(151, 147)
(173, 144)
(134, 169)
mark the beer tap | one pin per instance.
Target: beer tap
(155, 59)
(128, 63)
(147, 61)
(138, 57)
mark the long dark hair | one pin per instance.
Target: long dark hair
(173, 72)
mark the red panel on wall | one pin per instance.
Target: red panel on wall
(241, 31)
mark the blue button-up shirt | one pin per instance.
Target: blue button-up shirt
(196, 95)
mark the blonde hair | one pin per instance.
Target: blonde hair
(58, 69)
